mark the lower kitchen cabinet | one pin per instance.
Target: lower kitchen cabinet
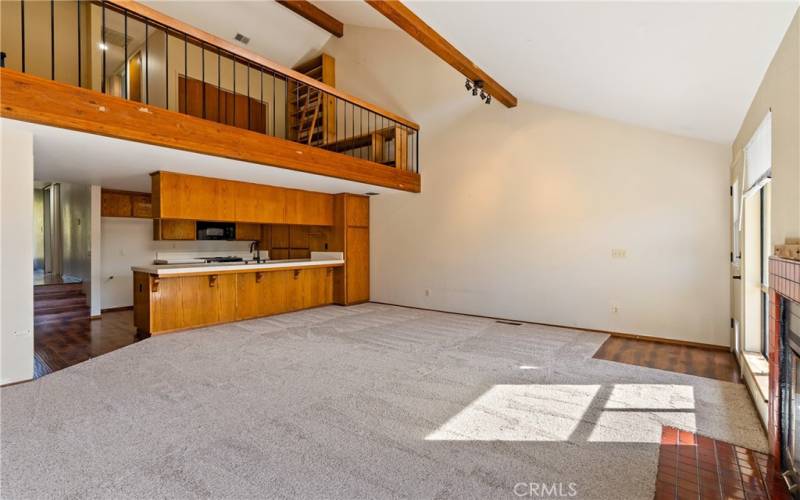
(179, 302)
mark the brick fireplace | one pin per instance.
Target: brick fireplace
(784, 361)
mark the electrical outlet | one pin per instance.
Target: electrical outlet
(618, 253)
(427, 292)
(614, 309)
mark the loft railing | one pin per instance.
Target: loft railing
(131, 51)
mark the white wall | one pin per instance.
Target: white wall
(16, 256)
(521, 208)
(127, 242)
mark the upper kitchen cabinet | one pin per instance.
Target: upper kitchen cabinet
(180, 196)
(190, 197)
(259, 203)
(309, 208)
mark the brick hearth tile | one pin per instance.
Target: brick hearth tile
(698, 467)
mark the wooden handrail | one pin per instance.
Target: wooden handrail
(172, 23)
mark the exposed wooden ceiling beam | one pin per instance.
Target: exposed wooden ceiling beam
(315, 15)
(409, 22)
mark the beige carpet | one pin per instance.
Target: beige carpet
(369, 401)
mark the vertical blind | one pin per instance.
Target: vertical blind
(758, 156)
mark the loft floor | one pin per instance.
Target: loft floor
(365, 401)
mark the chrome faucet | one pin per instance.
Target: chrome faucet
(254, 249)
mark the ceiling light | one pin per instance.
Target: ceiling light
(102, 46)
(475, 91)
(242, 38)
(468, 84)
(488, 98)
(483, 95)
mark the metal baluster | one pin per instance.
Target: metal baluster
(185, 74)
(261, 85)
(219, 88)
(22, 22)
(234, 91)
(248, 95)
(125, 61)
(272, 106)
(166, 68)
(103, 79)
(286, 108)
(146, 64)
(80, 79)
(52, 39)
(203, 77)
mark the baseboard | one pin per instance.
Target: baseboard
(116, 309)
(17, 382)
(634, 336)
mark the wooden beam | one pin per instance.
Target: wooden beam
(311, 12)
(37, 100)
(203, 36)
(409, 22)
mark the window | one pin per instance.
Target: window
(756, 242)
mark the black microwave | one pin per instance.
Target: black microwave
(216, 230)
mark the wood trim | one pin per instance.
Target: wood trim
(660, 340)
(116, 309)
(409, 22)
(171, 22)
(242, 271)
(312, 13)
(18, 382)
(32, 99)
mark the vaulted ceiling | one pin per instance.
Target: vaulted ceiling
(690, 68)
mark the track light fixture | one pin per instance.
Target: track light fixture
(477, 89)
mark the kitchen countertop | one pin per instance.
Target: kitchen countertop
(177, 269)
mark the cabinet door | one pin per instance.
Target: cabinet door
(296, 285)
(276, 285)
(358, 211)
(253, 293)
(174, 230)
(192, 197)
(167, 304)
(357, 258)
(317, 287)
(114, 204)
(262, 204)
(142, 206)
(305, 207)
(248, 232)
(201, 300)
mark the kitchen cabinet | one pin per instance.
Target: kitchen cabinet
(356, 256)
(125, 204)
(351, 235)
(180, 196)
(165, 304)
(191, 197)
(168, 229)
(260, 203)
(248, 232)
(309, 208)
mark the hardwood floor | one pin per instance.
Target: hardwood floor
(710, 363)
(58, 345)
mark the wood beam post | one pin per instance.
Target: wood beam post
(409, 22)
(316, 15)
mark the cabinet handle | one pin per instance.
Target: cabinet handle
(258, 277)
(296, 273)
(154, 287)
(212, 280)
